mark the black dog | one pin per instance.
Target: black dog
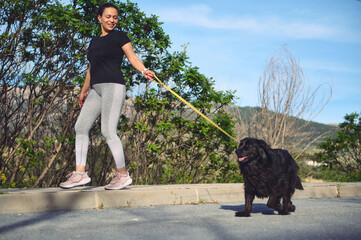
(267, 173)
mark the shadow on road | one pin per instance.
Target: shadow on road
(40, 218)
(52, 202)
(256, 208)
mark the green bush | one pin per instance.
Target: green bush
(343, 152)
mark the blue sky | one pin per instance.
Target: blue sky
(231, 40)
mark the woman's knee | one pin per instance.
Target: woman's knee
(109, 134)
(81, 128)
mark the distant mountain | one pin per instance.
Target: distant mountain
(244, 115)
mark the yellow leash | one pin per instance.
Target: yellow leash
(195, 109)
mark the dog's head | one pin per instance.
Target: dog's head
(251, 149)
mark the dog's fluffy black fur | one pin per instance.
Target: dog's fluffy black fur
(267, 173)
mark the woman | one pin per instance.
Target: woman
(106, 98)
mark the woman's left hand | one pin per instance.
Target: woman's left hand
(148, 74)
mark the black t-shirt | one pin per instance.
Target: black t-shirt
(105, 55)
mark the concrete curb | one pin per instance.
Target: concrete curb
(81, 198)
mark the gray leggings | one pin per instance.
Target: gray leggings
(105, 99)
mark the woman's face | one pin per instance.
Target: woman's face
(109, 19)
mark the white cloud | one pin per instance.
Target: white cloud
(329, 66)
(203, 16)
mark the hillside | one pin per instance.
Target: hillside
(244, 115)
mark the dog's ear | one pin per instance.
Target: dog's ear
(262, 153)
(264, 150)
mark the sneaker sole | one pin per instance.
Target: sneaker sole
(120, 187)
(83, 182)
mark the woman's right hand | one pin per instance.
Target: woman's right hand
(82, 98)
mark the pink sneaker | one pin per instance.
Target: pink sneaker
(119, 182)
(75, 179)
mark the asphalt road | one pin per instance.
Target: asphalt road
(338, 218)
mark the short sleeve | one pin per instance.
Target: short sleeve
(90, 44)
(123, 38)
(91, 41)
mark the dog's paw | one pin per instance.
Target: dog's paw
(292, 208)
(242, 214)
(284, 213)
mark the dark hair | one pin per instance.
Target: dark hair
(104, 6)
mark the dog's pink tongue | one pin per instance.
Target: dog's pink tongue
(242, 158)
